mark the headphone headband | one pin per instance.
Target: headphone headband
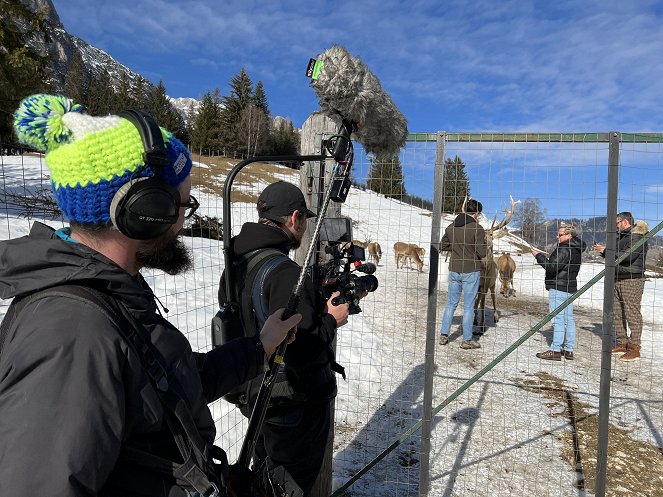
(146, 208)
(155, 150)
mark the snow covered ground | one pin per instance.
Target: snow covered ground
(498, 437)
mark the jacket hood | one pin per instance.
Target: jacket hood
(463, 219)
(255, 236)
(640, 228)
(42, 260)
(577, 243)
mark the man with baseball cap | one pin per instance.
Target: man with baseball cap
(281, 199)
(294, 436)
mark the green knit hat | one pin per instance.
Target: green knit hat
(90, 158)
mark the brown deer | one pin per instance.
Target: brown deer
(403, 251)
(506, 267)
(374, 252)
(489, 269)
(420, 252)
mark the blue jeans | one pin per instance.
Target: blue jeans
(468, 284)
(564, 326)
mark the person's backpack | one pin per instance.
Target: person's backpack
(249, 274)
(198, 471)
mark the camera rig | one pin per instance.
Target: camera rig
(339, 274)
(338, 147)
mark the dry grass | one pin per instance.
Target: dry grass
(634, 467)
(211, 179)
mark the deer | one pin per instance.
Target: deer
(374, 252)
(506, 267)
(403, 250)
(489, 268)
(420, 252)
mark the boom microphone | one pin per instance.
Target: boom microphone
(349, 91)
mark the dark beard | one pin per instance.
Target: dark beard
(167, 253)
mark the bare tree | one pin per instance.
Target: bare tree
(253, 129)
(530, 218)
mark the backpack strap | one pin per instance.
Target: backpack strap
(193, 472)
(251, 270)
(258, 269)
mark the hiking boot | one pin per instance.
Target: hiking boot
(470, 344)
(550, 355)
(568, 354)
(620, 348)
(632, 354)
(444, 339)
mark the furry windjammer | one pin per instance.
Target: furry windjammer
(347, 89)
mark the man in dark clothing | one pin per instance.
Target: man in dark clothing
(466, 240)
(561, 280)
(629, 286)
(79, 410)
(298, 423)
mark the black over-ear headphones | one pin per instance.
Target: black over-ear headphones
(146, 208)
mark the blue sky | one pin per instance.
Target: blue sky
(448, 65)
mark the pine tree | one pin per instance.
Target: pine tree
(386, 176)
(140, 92)
(260, 98)
(286, 138)
(163, 112)
(100, 95)
(206, 124)
(76, 80)
(123, 99)
(241, 94)
(456, 185)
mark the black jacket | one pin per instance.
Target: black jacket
(466, 240)
(563, 265)
(634, 265)
(72, 392)
(309, 357)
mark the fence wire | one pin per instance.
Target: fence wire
(528, 426)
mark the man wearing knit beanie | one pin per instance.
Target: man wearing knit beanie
(99, 394)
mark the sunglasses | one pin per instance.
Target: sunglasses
(191, 206)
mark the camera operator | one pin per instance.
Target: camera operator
(298, 422)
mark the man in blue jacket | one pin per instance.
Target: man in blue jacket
(562, 267)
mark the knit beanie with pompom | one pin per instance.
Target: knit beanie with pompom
(90, 158)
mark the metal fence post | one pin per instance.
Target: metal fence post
(431, 317)
(608, 314)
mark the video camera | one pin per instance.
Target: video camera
(338, 273)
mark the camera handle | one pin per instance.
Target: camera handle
(262, 402)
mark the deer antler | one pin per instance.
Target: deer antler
(507, 218)
(462, 207)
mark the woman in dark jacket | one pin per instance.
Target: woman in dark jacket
(562, 269)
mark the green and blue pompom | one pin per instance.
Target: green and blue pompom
(38, 120)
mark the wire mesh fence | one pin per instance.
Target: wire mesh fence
(526, 425)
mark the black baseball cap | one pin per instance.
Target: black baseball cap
(282, 199)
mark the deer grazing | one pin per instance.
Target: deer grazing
(489, 268)
(374, 252)
(506, 267)
(404, 251)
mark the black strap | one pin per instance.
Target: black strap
(193, 449)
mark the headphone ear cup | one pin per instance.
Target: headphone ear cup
(145, 208)
(119, 199)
